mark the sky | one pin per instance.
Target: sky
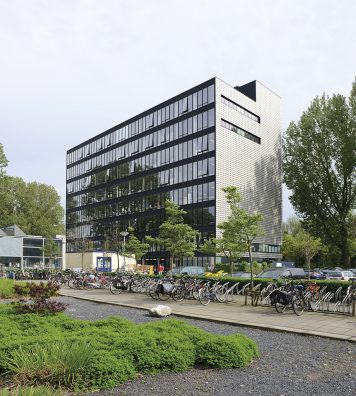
(71, 69)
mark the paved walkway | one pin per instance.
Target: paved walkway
(336, 326)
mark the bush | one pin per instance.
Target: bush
(30, 391)
(55, 363)
(226, 351)
(39, 298)
(109, 351)
(104, 370)
(7, 288)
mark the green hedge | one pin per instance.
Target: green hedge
(80, 355)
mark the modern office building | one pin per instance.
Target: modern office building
(23, 251)
(185, 149)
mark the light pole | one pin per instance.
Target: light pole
(124, 234)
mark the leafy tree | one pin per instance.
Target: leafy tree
(319, 157)
(3, 160)
(83, 245)
(113, 241)
(34, 207)
(51, 250)
(177, 238)
(302, 245)
(238, 231)
(292, 226)
(228, 245)
(245, 226)
(134, 247)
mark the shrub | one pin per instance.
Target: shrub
(39, 298)
(55, 363)
(91, 355)
(7, 288)
(30, 391)
(104, 370)
(226, 351)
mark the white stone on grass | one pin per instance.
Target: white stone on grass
(160, 311)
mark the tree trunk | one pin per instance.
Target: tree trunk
(250, 258)
(344, 247)
(231, 266)
(308, 266)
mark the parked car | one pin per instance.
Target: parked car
(241, 274)
(315, 275)
(340, 275)
(188, 270)
(277, 273)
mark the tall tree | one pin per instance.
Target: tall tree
(319, 161)
(134, 247)
(178, 238)
(3, 160)
(238, 232)
(51, 250)
(302, 244)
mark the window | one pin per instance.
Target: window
(240, 109)
(183, 105)
(211, 118)
(240, 131)
(149, 121)
(211, 166)
(211, 191)
(211, 94)
(205, 96)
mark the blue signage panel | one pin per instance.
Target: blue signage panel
(103, 264)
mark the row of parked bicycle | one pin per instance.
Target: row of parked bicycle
(288, 295)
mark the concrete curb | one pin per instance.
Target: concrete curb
(351, 339)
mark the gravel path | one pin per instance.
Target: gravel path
(290, 364)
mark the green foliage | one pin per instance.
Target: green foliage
(30, 391)
(302, 244)
(103, 370)
(55, 363)
(87, 356)
(226, 351)
(178, 238)
(238, 231)
(34, 207)
(246, 267)
(319, 157)
(3, 160)
(51, 249)
(7, 288)
(134, 247)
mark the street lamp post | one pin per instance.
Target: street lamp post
(124, 235)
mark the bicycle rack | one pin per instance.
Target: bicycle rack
(344, 306)
(325, 301)
(242, 291)
(338, 294)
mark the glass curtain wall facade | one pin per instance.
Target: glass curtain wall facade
(124, 176)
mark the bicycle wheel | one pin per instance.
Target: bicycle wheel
(178, 294)
(71, 283)
(152, 291)
(115, 288)
(314, 301)
(230, 297)
(280, 308)
(220, 294)
(204, 296)
(163, 296)
(298, 305)
(195, 293)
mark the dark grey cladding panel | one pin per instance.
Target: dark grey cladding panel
(248, 89)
